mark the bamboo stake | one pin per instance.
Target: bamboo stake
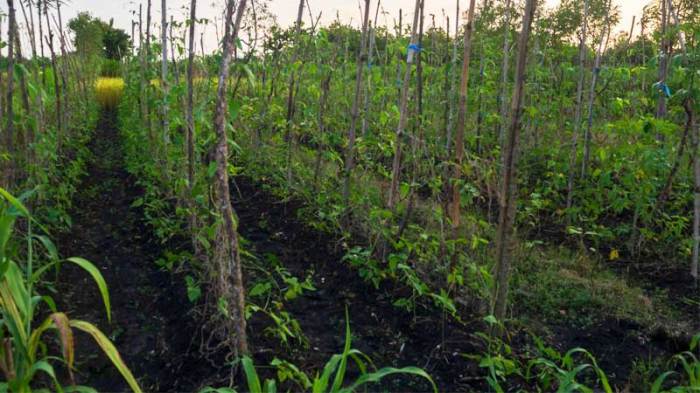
(507, 200)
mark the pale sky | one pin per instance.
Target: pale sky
(285, 10)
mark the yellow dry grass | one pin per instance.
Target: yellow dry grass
(108, 91)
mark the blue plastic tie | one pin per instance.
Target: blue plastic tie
(414, 47)
(666, 90)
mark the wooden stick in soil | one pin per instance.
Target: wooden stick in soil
(289, 132)
(325, 88)
(143, 101)
(58, 91)
(696, 192)
(189, 135)
(592, 92)
(147, 63)
(663, 64)
(503, 102)
(229, 278)
(403, 110)
(164, 83)
(507, 199)
(10, 127)
(64, 74)
(455, 176)
(418, 129)
(173, 59)
(665, 193)
(370, 59)
(38, 98)
(355, 111)
(399, 36)
(447, 87)
(453, 68)
(28, 134)
(668, 184)
(417, 134)
(579, 106)
(41, 41)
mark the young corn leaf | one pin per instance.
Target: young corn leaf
(210, 389)
(321, 384)
(110, 350)
(380, 374)
(99, 280)
(658, 383)
(14, 202)
(79, 389)
(340, 376)
(251, 375)
(43, 366)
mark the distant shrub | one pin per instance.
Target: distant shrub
(110, 68)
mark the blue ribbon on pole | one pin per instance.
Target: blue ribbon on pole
(414, 47)
(666, 90)
(663, 87)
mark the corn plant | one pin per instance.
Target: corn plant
(690, 363)
(23, 353)
(565, 371)
(550, 371)
(332, 378)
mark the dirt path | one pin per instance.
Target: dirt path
(150, 323)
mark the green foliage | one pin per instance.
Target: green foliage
(88, 34)
(561, 285)
(94, 37)
(561, 272)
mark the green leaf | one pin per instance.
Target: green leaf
(340, 376)
(260, 289)
(99, 280)
(658, 383)
(378, 375)
(44, 366)
(79, 389)
(14, 202)
(6, 223)
(320, 384)
(194, 292)
(49, 246)
(110, 350)
(209, 389)
(251, 375)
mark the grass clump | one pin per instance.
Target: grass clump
(563, 285)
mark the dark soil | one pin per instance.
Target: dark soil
(151, 323)
(390, 336)
(155, 331)
(395, 338)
